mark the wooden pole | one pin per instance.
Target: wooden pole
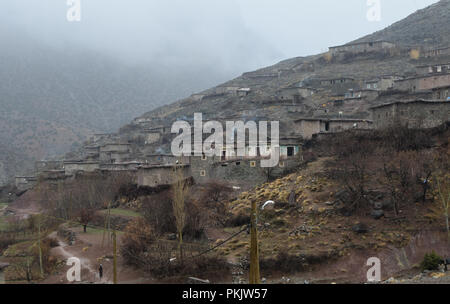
(254, 256)
(40, 248)
(115, 257)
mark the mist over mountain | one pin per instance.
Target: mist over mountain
(53, 98)
(61, 82)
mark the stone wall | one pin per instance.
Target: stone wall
(71, 168)
(241, 173)
(154, 176)
(41, 166)
(416, 114)
(422, 83)
(362, 47)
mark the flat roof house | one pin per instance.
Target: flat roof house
(412, 114)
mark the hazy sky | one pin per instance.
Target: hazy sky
(235, 35)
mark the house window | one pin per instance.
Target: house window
(202, 173)
(224, 155)
(327, 126)
(238, 163)
(290, 151)
(252, 164)
(203, 156)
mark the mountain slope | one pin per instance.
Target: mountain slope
(428, 27)
(52, 99)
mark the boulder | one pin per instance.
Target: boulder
(377, 206)
(360, 228)
(3, 266)
(377, 214)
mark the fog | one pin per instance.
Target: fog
(234, 36)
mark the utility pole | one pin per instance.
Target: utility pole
(254, 256)
(115, 257)
(107, 226)
(40, 248)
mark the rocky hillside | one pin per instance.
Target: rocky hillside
(52, 99)
(428, 27)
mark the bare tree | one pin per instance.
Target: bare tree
(179, 192)
(86, 216)
(443, 191)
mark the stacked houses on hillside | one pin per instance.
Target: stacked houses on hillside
(143, 151)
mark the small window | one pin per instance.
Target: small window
(202, 173)
(204, 156)
(238, 163)
(290, 151)
(252, 164)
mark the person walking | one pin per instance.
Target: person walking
(100, 271)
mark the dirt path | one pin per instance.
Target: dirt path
(89, 272)
(88, 248)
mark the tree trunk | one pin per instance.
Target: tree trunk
(180, 245)
(448, 228)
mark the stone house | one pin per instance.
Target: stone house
(114, 152)
(383, 83)
(197, 97)
(25, 182)
(242, 173)
(433, 69)
(165, 159)
(296, 94)
(336, 81)
(125, 166)
(413, 114)
(423, 83)
(47, 165)
(362, 47)
(436, 52)
(91, 152)
(154, 176)
(151, 137)
(72, 167)
(242, 92)
(307, 127)
(442, 93)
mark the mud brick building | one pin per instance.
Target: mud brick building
(362, 47)
(413, 114)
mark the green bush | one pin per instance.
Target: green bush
(431, 261)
